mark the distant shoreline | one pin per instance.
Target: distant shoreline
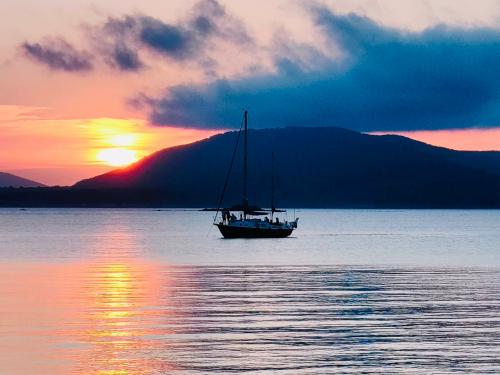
(68, 197)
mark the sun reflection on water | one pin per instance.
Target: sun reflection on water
(120, 293)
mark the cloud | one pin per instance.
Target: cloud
(386, 79)
(173, 41)
(125, 59)
(185, 40)
(208, 20)
(123, 42)
(58, 54)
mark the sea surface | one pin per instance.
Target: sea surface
(145, 291)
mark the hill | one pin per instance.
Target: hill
(10, 180)
(316, 167)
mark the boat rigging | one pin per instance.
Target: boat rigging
(248, 223)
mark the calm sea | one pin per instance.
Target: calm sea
(143, 291)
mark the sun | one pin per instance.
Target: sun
(117, 156)
(122, 140)
(121, 153)
(117, 142)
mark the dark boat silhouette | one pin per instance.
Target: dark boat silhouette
(244, 220)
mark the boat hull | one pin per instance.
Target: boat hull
(229, 231)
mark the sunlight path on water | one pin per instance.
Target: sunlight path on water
(108, 292)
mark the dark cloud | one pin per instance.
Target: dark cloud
(189, 39)
(387, 80)
(173, 41)
(121, 41)
(209, 17)
(58, 55)
(113, 43)
(124, 58)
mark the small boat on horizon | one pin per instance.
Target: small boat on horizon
(248, 222)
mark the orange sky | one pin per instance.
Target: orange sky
(468, 139)
(63, 151)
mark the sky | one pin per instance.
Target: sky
(88, 86)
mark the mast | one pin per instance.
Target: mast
(245, 167)
(273, 208)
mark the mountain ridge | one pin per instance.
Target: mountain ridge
(11, 180)
(317, 167)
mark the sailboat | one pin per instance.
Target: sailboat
(245, 220)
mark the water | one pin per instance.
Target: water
(157, 292)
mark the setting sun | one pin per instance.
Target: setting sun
(118, 143)
(117, 157)
(123, 140)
